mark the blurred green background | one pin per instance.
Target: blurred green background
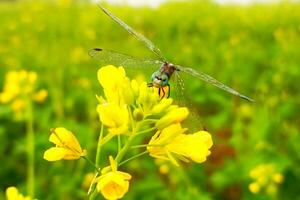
(253, 48)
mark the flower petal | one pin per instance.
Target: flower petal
(55, 154)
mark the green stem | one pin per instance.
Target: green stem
(139, 146)
(146, 145)
(105, 138)
(150, 120)
(146, 131)
(125, 148)
(98, 154)
(119, 143)
(92, 192)
(30, 149)
(133, 157)
(92, 185)
(91, 163)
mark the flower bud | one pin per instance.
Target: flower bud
(138, 114)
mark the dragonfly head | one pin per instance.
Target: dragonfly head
(159, 79)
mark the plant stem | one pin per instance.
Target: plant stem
(133, 157)
(92, 192)
(98, 154)
(30, 149)
(146, 131)
(91, 163)
(123, 151)
(119, 143)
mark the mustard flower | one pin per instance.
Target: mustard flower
(175, 115)
(113, 184)
(114, 117)
(115, 84)
(19, 87)
(40, 96)
(171, 143)
(67, 146)
(12, 193)
(265, 178)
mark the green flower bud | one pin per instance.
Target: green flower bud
(138, 114)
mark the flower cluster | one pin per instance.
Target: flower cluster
(128, 110)
(265, 177)
(19, 88)
(170, 140)
(12, 193)
(131, 110)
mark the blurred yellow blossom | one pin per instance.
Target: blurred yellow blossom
(18, 105)
(12, 193)
(88, 178)
(265, 177)
(113, 184)
(278, 178)
(164, 169)
(64, 3)
(78, 55)
(40, 96)
(67, 146)
(19, 88)
(254, 187)
(90, 34)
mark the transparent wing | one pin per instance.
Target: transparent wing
(212, 81)
(105, 56)
(194, 121)
(179, 87)
(137, 35)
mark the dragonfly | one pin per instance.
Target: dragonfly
(160, 78)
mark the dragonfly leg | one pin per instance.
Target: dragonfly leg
(159, 89)
(164, 93)
(169, 90)
(150, 84)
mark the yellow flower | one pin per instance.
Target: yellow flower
(78, 55)
(113, 184)
(175, 115)
(19, 86)
(278, 178)
(162, 105)
(12, 193)
(40, 96)
(171, 141)
(115, 117)
(88, 179)
(147, 98)
(18, 105)
(254, 187)
(67, 146)
(193, 146)
(266, 178)
(117, 87)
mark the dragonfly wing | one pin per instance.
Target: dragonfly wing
(211, 80)
(137, 35)
(105, 56)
